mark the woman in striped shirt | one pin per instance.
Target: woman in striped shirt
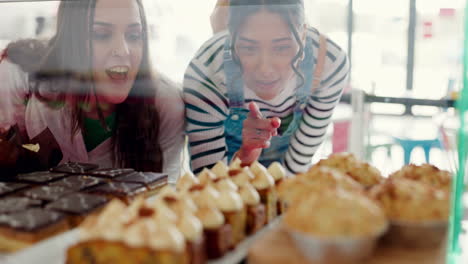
(263, 90)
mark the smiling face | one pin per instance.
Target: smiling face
(117, 41)
(266, 47)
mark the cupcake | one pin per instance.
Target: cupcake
(279, 174)
(220, 169)
(241, 176)
(206, 177)
(236, 164)
(186, 182)
(265, 185)
(256, 215)
(217, 233)
(231, 205)
(192, 229)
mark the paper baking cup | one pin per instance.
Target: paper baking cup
(416, 234)
(342, 250)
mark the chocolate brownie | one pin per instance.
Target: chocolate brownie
(40, 177)
(149, 179)
(16, 204)
(9, 187)
(78, 203)
(74, 167)
(118, 189)
(109, 172)
(30, 219)
(77, 182)
(47, 193)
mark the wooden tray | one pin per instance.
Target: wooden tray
(276, 247)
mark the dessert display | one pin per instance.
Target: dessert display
(139, 233)
(348, 164)
(265, 185)
(425, 173)
(63, 197)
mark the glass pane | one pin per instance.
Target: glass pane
(438, 50)
(380, 46)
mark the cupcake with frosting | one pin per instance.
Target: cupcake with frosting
(206, 177)
(278, 173)
(231, 205)
(241, 176)
(186, 182)
(265, 185)
(217, 232)
(220, 169)
(256, 215)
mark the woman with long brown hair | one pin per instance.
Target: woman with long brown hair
(88, 95)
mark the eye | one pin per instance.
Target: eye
(134, 36)
(282, 48)
(101, 35)
(247, 49)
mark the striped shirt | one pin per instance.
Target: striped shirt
(206, 102)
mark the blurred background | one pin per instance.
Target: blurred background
(406, 60)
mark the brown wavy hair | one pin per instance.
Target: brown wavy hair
(64, 65)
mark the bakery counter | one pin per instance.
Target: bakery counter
(53, 250)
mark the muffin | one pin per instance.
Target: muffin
(426, 173)
(335, 227)
(265, 185)
(360, 171)
(410, 201)
(256, 215)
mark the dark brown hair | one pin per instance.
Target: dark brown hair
(292, 11)
(66, 67)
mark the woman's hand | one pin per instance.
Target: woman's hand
(219, 16)
(256, 134)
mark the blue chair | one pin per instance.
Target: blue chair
(409, 144)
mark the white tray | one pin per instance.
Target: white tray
(52, 250)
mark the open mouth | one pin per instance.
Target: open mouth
(118, 73)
